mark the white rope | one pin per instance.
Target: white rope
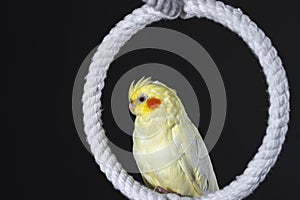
(231, 18)
(168, 7)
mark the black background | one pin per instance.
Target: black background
(50, 39)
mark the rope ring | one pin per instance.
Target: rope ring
(239, 23)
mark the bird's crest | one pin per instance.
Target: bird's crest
(135, 86)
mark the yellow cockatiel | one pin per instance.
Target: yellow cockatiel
(167, 147)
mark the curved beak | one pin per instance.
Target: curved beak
(132, 107)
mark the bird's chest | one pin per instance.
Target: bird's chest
(151, 139)
(151, 135)
(152, 145)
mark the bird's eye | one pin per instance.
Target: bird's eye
(141, 99)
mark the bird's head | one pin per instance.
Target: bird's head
(147, 96)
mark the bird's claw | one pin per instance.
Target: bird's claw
(161, 190)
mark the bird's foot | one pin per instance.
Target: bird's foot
(161, 190)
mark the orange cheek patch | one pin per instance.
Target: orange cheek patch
(153, 103)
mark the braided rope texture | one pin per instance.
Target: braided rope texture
(168, 7)
(236, 21)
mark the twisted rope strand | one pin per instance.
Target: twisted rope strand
(231, 18)
(171, 8)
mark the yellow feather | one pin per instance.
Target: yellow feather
(134, 87)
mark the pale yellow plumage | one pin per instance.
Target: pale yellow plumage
(167, 147)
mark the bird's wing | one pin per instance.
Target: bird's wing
(194, 160)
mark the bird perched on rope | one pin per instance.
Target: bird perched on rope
(167, 147)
